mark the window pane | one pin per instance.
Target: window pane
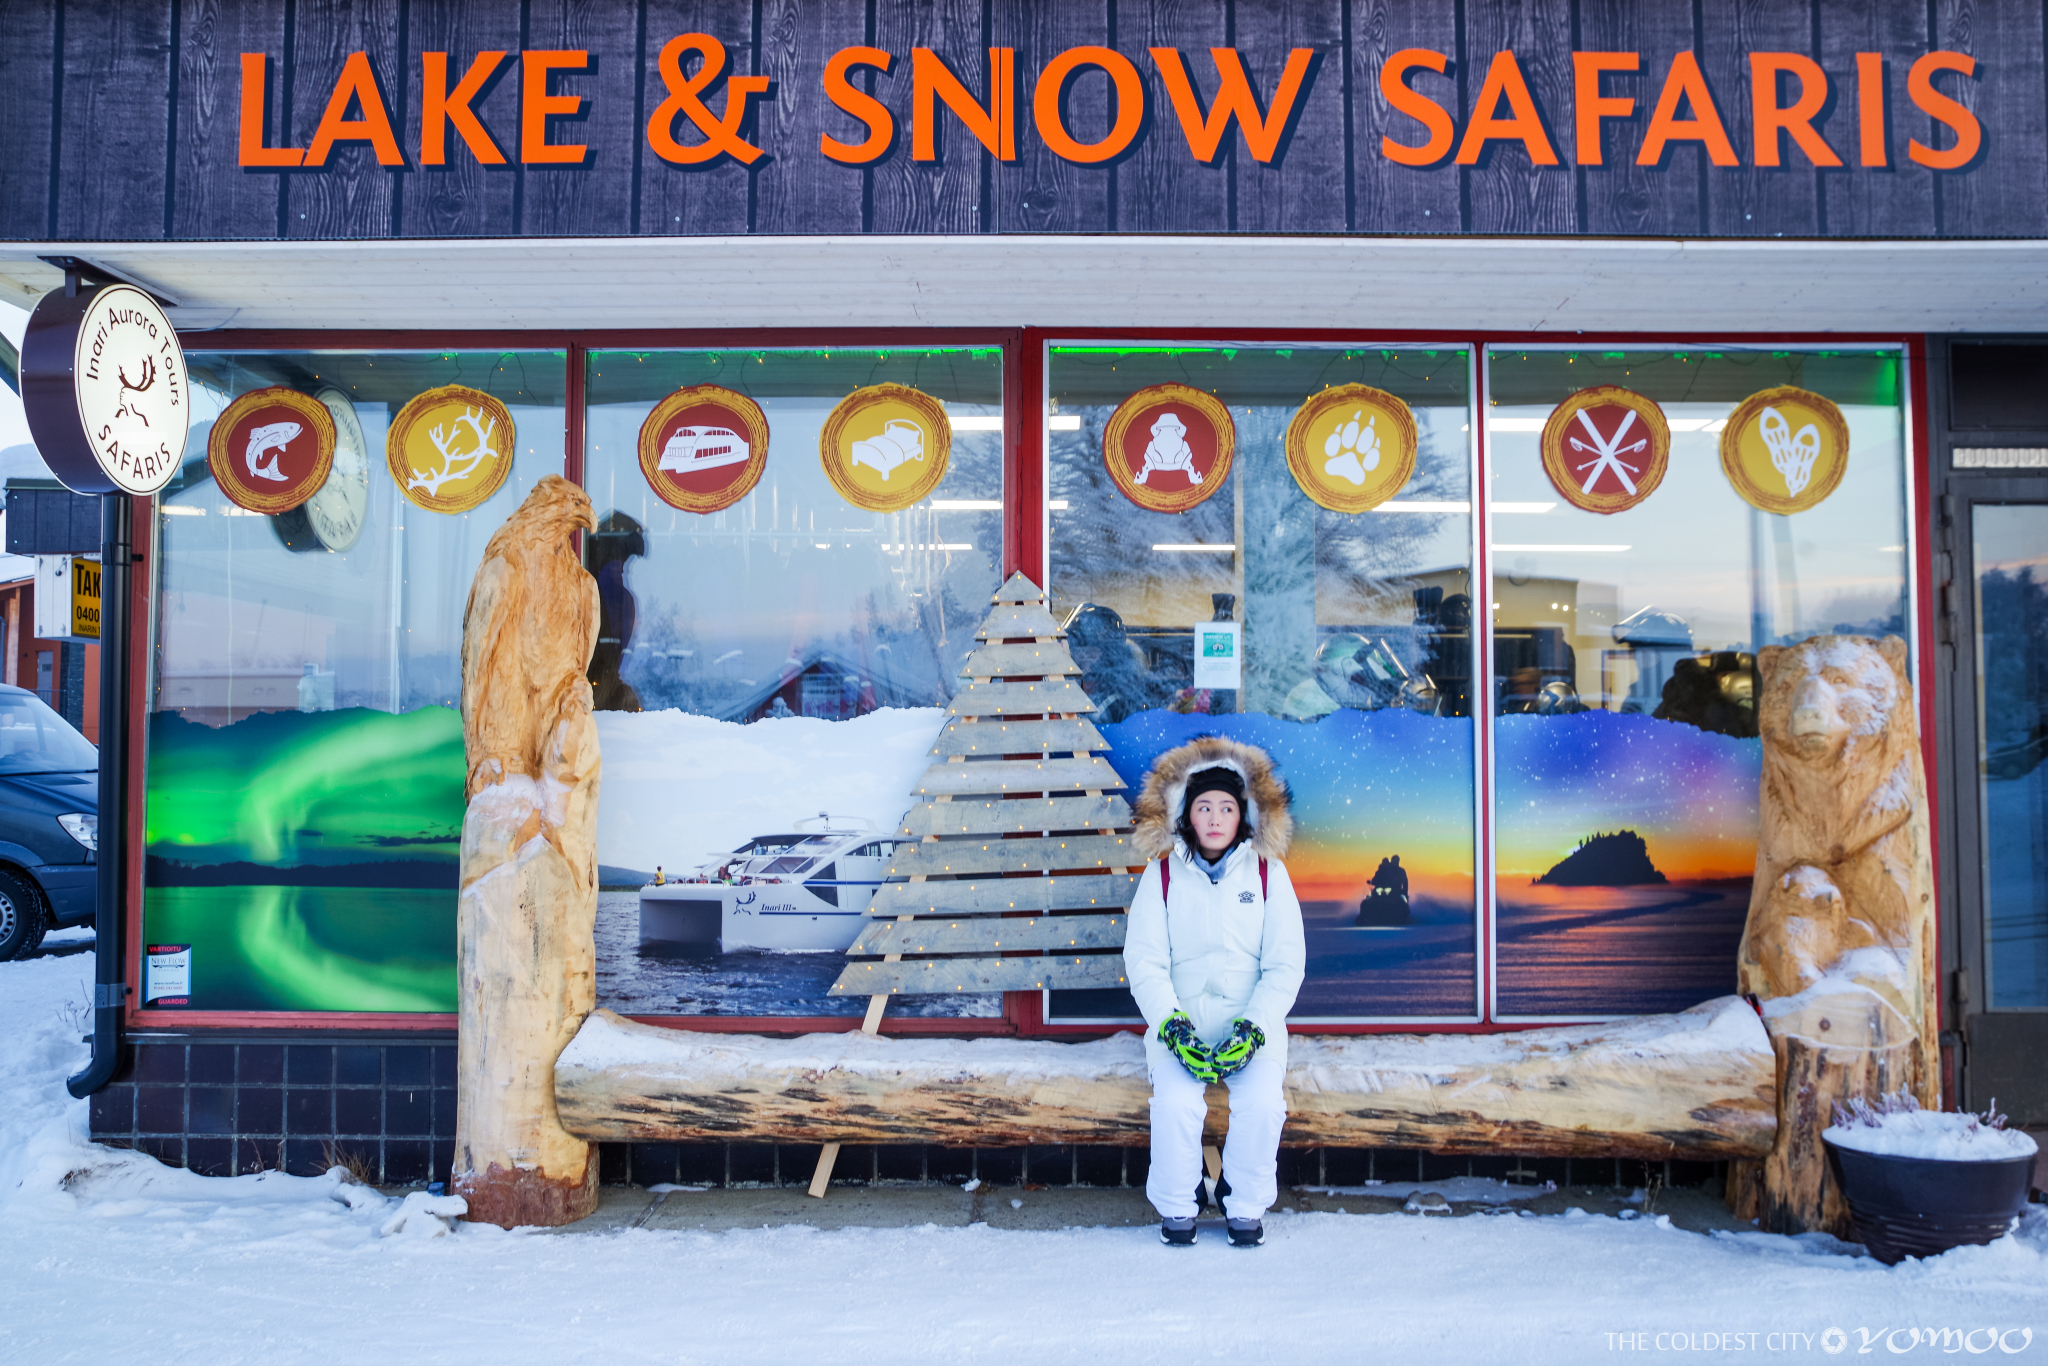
(2011, 544)
(782, 659)
(1626, 757)
(305, 743)
(1356, 644)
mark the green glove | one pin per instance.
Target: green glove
(1245, 1039)
(1177, 1032)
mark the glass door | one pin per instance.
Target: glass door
(2004, 791)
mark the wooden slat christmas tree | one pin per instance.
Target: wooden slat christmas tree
(1023, 868)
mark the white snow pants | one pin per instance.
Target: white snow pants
(1251, 1152)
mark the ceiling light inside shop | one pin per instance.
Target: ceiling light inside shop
(1515, 424)
(975, 422)
(1064, 422)
(967, 505)
(1562, 549)
(184, 512)
(1456, 505)
(1696, 424)
(1212, 549)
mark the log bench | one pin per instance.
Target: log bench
(1697, 1085)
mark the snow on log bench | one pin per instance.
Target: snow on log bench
(1701, 1084)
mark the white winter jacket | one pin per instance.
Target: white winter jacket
(1216, 950)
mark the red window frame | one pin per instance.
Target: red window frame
(1023, 549)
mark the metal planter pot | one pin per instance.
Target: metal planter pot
(1920, 1207)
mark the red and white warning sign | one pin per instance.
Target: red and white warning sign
(1605, 448)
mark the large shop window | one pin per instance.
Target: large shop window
(1319, 498)
(1656, 518)
(305, 747)
(794, 550)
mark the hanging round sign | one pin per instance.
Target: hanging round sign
(1351, 447)
(271, 449)
(1606, 448)
(886, 446)
(104, 387)
(333, 517)
(703, 448)
(450, 448)
(1785, 449)
(1168, 447)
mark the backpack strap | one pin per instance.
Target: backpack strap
(1165, 875)
(1262, 877)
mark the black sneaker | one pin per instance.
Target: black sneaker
(1178, 1232)
(1246, 1232)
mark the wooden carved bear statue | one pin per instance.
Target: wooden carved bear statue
(1839, 945)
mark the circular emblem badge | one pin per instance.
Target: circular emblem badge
(703, 448)
(271, 449)
(1605, 448)
(886, 446)
(450, 448)
(1785, 449)
(333, 517)
(1168, 447)
(1351, 447)
(104, 388)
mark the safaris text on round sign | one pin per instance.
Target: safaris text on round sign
(104, 387)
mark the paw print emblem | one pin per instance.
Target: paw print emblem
(1351, 450)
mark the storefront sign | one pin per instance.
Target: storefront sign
(67, 598)
(1352, 447)
(1605, 448)
(451, 448)
(1785, 449)
(884, 447)
(271, 449)
(1168, 447)
(103, 385)
(706, 115)
(703, 448)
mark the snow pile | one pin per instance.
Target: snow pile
(678, 789)
(1897, 1127)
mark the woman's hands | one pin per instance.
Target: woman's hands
(1177, 1032)
(1234, 1052)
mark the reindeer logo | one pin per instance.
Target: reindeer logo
(135, 386)
(456, 461)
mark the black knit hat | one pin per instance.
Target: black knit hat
(1216, 778)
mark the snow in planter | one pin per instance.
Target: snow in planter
(1897, 1127)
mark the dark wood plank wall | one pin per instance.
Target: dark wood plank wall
(1618, 197)
(464, 198)
(28, 108)
(352, 195)
(1302, 189)
(139, 105)
(2012, 187)
(214, 197)
(596, 197)
(1898, 200)
(1507, 191)
(1039, 192)
(802, 191)
(944, 195)
(1386, 196)
(1751, 200)
(1160, 187)
(712, 198)
(115, 119)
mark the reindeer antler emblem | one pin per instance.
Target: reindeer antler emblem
(455, 462)
(129, 386)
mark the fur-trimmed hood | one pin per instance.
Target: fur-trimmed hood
(1267, 800)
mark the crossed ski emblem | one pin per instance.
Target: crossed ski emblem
(1608, 451)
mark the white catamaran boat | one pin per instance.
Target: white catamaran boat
(805, 892)
(703, 448)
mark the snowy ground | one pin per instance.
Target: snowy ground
(108, 1256)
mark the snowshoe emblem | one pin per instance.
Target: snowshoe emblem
(1246, 897)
